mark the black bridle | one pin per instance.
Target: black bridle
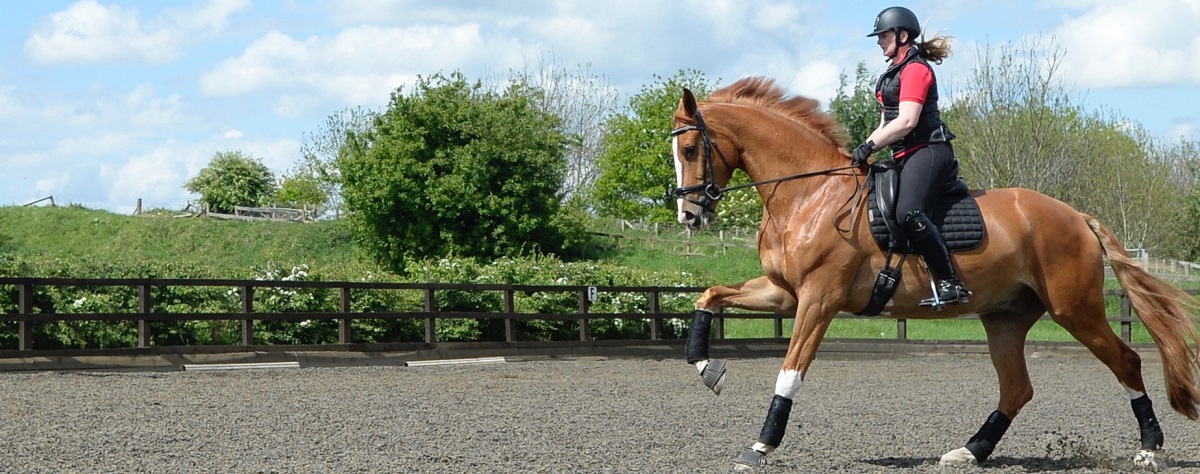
(710, 191)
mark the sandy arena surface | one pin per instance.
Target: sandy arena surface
(571, 416)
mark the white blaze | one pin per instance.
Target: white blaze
(678, 177)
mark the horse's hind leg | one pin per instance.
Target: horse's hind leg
(1006, 333)
(759, 294)
(1086, 321)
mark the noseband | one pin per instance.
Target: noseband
(709, 191)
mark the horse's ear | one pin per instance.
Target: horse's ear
(689, 102)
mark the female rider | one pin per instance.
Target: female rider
(911, 125)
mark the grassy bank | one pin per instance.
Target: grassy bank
(232, 249)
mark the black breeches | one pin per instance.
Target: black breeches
(922, 176)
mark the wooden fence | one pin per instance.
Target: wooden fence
(26, 317)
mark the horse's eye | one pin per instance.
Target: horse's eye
(689, 152)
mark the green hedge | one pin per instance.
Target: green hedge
(538, 270)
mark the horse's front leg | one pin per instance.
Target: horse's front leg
(759, 294)
(812, 320)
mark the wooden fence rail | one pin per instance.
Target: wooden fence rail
(26, 317)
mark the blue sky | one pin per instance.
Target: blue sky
(105, 102)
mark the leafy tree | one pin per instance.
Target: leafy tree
(451, 168)
(1184, 157)
(635, 169)
(319, 152)
(302, 191)
(856, 109)
(231, 179)
(583, 101)
(1189, 244)
(1018, 125)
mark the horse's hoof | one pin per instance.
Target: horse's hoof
(749, 460)
(958, 457)
(1145, 459)
(714, 375)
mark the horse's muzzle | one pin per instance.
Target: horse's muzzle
(697, 219)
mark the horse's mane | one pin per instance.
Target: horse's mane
(765, 93)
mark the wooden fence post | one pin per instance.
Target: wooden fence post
(345, 329)
(430, 322)
(145, 306)
(721, 324)
(902, 329)
(583, 309)
(1126, 314)
(510, 326)
(247, 308)
(656, 320)
(25, 326)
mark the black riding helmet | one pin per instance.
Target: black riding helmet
(897, 18)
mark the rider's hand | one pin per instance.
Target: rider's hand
(862, 153)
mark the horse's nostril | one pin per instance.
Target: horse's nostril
(689, 216)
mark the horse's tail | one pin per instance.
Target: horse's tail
(1164, 309)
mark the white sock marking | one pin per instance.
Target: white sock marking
(788, 383)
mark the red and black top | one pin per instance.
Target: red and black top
(911, 79)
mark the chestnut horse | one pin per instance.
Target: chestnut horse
(819, 258)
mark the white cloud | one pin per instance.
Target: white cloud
(779, 16)
(394, 12)
(156, 177)
(9, 106)
(817, 80)
(358, 66)
(211, 17)
(76, 148)
(51, 185)
(1184, 130)
(151, 111)
(1119, 43)
(88, 32)
(279, 155)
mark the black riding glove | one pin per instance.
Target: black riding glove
(862, 153)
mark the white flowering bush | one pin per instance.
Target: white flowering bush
(269, 299)
(549, 271)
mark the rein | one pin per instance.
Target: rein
(713, 192)
(788, 178)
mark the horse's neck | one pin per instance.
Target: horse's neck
(780, 148)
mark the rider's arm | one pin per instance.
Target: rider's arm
(893, 131)
(915, 82)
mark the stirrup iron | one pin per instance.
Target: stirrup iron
(961, 293)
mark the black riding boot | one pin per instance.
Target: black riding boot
(927, 240)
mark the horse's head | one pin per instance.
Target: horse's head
(701, 169)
